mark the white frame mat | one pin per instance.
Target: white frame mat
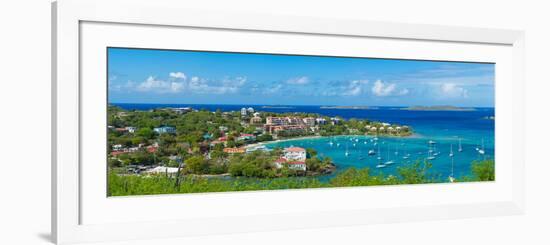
(68, 194)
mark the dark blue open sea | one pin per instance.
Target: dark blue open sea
(444, 127)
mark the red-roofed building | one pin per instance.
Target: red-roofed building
(279, 162)
(295, 154)
(116, 153)
(234, 150)
(152, 149)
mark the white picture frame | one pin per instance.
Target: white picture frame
(68, 17)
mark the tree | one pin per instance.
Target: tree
(196, 165)
(264, 137)
(146, 133)
(313, 164)
(113, 162)
(414, 173)
(311, 152)
(484, 170)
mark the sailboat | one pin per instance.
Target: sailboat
(482, 150)
(380, 165)
(372, 152)
(331, 143)
(430, 157)
(451, 154)
(389, 160)
(347, 152)
(405, 154)
(396, 149)
(459, 145)
(451, 177)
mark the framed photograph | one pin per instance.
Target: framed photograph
(168, 125)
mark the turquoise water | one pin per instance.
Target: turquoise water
(443, 127)
(395, 149)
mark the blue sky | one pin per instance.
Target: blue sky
(165, 76)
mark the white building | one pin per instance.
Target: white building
(243, 111)
(294, 154)
(131, 129)
(297, 165)
(162, 170)
(321, 121)
(117, 147)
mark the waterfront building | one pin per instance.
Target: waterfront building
(256, 120)
(276, 125)
(162, 170)
(246, 137)
(321, 121)
(294, 154)
(279, 163)
(335, 120)
(243, 112)
(309, 121)
(234, 150)
(297, 165)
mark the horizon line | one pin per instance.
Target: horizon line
(142, 103)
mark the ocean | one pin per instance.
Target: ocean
(475, 129)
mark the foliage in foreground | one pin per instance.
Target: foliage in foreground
(415, 173)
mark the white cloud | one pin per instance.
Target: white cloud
(298, 80)
(273, 89)
(178, 83)
(403, 92)
(178, 75)
(387, 89)
(355, 87)
(153, 84)
(203, 86)
(452, 90)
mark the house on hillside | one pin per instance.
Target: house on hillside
(297, 165)
(294, 154)
(234, 150)
(165, 130)
(246, 137)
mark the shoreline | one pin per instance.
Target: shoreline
(414, 135)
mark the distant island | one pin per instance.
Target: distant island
(347, 107)
(438, 108)
(276, 107)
